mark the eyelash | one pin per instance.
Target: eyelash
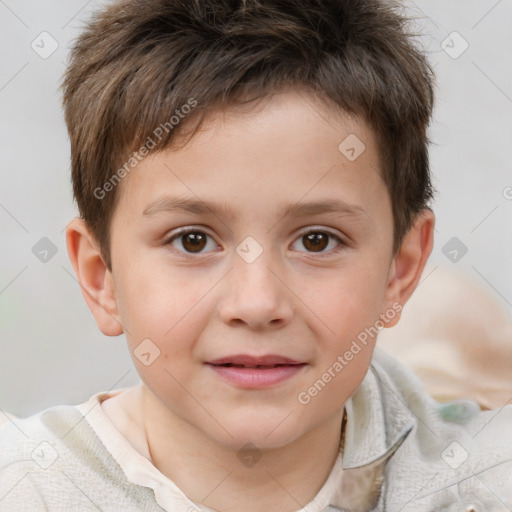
(193, 256)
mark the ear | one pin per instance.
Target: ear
(407, 266)
(94, 277)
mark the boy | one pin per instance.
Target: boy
(253, 185)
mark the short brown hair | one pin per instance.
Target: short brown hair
(139, 62)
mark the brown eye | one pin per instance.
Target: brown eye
(323, 243)
(194, 241)
(315, 241)
(191, 242)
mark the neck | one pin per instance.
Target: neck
(278, 480)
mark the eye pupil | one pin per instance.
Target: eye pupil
(315, 241)
(194, 241)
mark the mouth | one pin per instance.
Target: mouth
(259, 366)
(245, 360)
(251, 372)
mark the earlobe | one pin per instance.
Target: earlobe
(407, 266)
(94, 277)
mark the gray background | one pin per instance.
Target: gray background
(51, 351)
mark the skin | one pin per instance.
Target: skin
(292, 300)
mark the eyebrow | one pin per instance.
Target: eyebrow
(337, 207)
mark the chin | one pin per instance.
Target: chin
(263, 433)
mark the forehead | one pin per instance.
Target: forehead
(288, 148)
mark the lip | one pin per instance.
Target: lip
(257, 378)
(253, 374)
(247, 360)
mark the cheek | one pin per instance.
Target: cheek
(348, 302)
(169, 332)
(165, 307)
(345, 350)
(349, 308)
(162, 312)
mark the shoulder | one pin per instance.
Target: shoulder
(455, 453)
(54, 460)
(19, 437)
(29, 447)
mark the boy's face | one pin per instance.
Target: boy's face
(212, 294)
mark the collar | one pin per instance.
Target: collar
(378, 419)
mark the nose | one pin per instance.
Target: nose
(255, 295)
